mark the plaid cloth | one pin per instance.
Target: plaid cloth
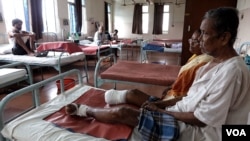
(156, 126)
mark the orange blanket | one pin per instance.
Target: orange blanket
(94, 98)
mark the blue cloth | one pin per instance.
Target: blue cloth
(153, 47)
(247, 61)
(156, 126)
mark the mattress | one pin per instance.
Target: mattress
(50, 60)
(10, 74)
(31, 127)
(163, 75)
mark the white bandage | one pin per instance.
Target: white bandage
(115, 97)
(82, 111)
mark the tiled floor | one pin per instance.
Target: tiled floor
(50, 90)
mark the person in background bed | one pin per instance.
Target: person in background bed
(115, 35)
(100, 37)
(115, 40)
(23, 41)
(219, 94)
(178, 89)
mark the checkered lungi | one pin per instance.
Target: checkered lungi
(156, 126)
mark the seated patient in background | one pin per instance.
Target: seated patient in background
(23, 41)
(100, 37)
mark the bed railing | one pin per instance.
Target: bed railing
(35, 87)
(97, 81)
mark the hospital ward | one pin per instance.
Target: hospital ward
(124, 70)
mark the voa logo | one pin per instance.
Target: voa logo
(236, 132)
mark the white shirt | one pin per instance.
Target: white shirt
(220, 96)
(99, 37)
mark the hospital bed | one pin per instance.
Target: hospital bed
(14, 73)
(92, 49)
(54, 59)
(132, 72)
(33, 125)
(162, 46)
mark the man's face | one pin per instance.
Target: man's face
(18, 26)
(209, 39)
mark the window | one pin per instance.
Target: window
(49, 21)
(165, 23)
(72, 16)
(145, 17)
(72, 19)
(84, 20)
(19, 9)
(109, 18)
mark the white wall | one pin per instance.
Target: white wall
(244, 30)
(123, 20)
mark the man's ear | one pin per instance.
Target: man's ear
(225, 38)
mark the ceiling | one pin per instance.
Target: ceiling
(177, 2)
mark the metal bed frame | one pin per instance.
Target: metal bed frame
(56, 66)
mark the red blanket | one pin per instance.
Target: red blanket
(92, 50)
(94, 98)
(69, 47)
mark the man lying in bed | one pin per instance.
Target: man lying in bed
(219, 94)
(178, 89)
(23, 41)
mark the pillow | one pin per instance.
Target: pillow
(5, 49)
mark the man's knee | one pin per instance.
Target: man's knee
(132, 91)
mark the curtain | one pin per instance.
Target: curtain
(158, 18)
(137, 19)
(78, 4)
(36, 17)
(106, 20)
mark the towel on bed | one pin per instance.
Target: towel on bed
(94, 98)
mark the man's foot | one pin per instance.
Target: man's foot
(115, 97)
(75, 109)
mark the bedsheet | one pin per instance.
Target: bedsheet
(50, 60)
(10, 74)
(129, 71)
(31, 127)
(90, 126)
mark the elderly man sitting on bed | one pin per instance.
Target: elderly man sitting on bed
(219, 94)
